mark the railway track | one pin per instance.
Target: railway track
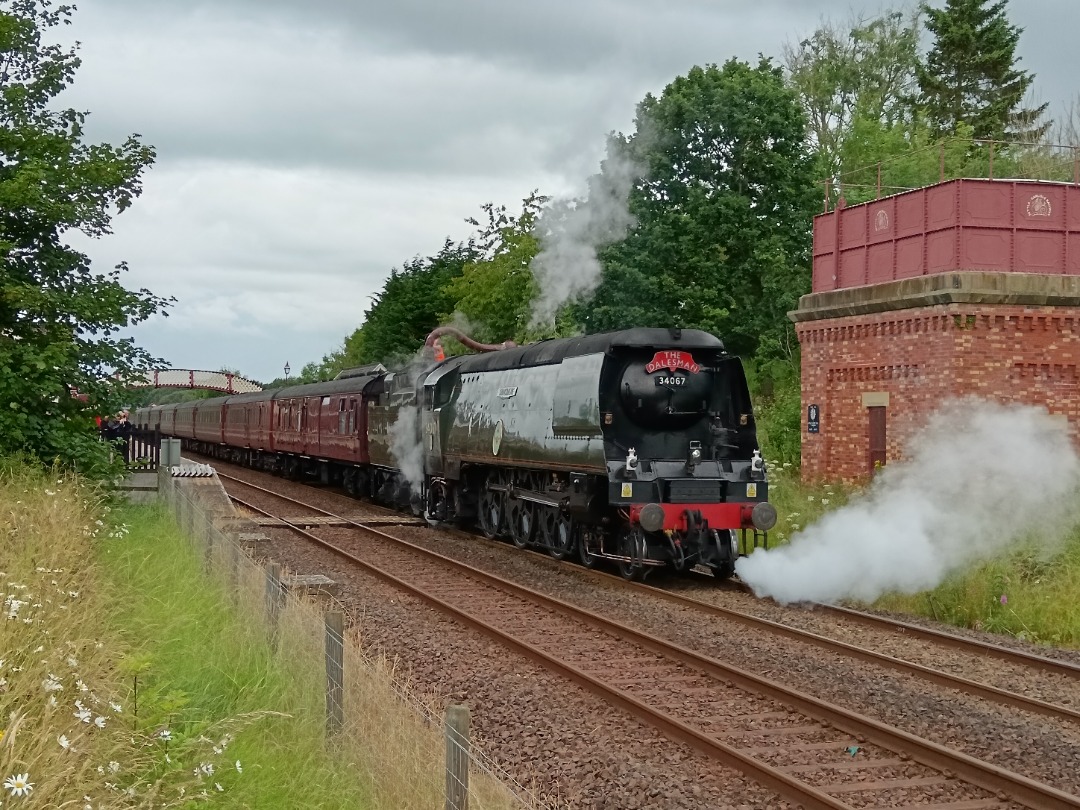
(1065, 671)
(807, 750)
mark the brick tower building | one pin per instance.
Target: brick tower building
(968, 287)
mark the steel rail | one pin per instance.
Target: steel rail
(784, 785)
(981, 774)
(971, 645)
(982, 690)
(959, 642)
(948, 680)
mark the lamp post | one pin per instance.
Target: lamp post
(286, 371)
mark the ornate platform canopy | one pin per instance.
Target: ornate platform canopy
(188, 378)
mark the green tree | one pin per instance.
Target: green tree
(971, 75)
(59, 320)
(863, 70)
(723, 211)
(492, 296)
(413, 301)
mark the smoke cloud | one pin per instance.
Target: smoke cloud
(570, 233)
(978, 478)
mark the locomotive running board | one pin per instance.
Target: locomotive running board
(536, 497)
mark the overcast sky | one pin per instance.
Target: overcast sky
(305, 149)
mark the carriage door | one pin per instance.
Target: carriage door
(355, 433)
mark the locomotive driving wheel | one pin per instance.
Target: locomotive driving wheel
(492, 508)
(522, 523)
(558, 532)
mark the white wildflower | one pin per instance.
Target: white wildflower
(19, 784)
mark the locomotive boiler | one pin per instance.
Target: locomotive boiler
(637, 447)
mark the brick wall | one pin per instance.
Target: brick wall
(914, 357)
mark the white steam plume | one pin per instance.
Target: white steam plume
(571, 231)
(978, 478)
(406, 443)
(406, 447)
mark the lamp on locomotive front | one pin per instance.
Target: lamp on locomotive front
(757, 467)
(693, 456)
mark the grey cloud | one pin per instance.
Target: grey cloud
(394, 85)
(307, 148)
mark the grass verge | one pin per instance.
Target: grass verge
(1028, 592)
(129, 679)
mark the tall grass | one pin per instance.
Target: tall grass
(205, 671)
(797, 504)
(117, 689)
(1029, 593)
(130, 679)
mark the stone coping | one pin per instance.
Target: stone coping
(954, 287)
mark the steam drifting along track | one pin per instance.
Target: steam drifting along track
(803, 748)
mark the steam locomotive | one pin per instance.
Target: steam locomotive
(637, 447)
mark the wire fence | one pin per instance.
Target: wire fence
(411, 752)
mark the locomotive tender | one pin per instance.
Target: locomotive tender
(637, 446)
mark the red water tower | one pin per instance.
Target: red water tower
(967, 287)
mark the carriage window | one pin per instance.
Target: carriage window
(342, 418)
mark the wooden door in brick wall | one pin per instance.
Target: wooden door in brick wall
(877, 437)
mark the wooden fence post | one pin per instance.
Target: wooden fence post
(275, 602)
(234, 566)
(185, 514)
(208, 534)
(457, 757)
(335, 670)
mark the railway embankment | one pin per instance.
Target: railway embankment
(139, 667)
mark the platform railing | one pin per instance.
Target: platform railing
(953, 159)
